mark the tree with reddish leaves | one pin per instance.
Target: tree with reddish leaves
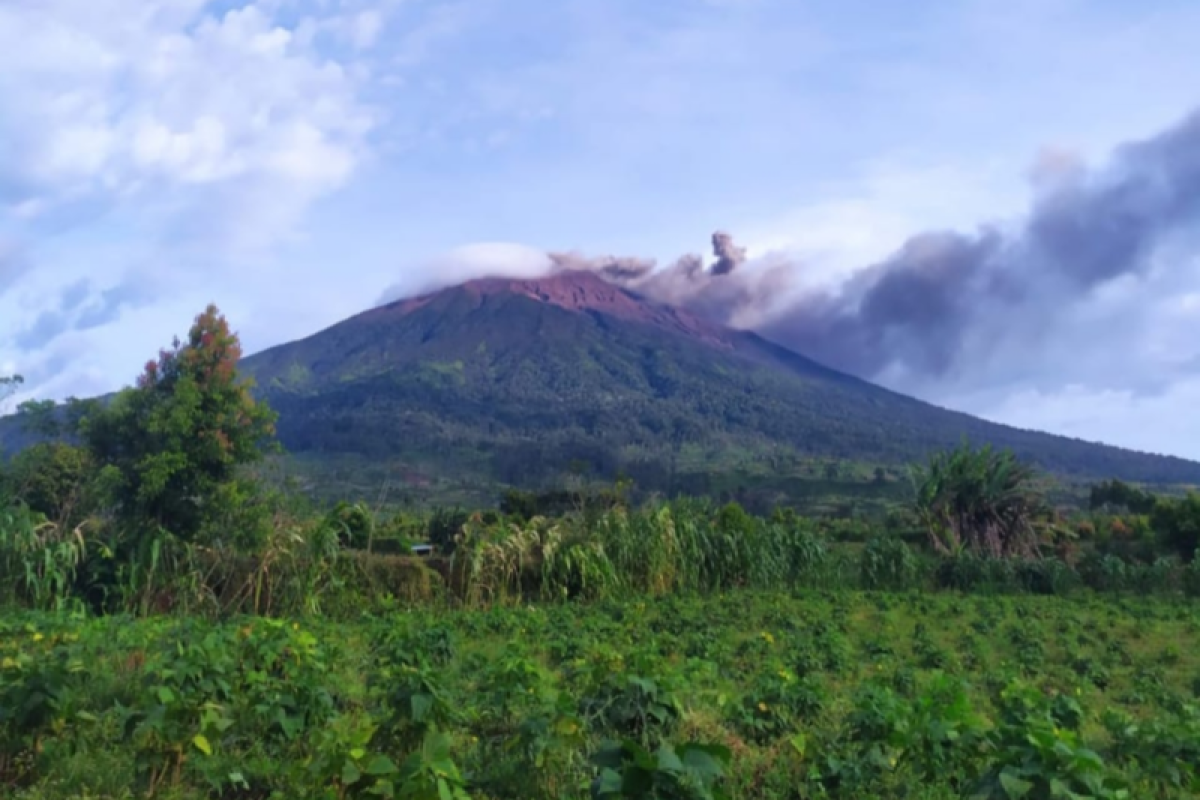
(172, 447)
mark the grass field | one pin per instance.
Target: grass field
(831, 694)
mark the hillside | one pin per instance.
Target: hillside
(518, 379)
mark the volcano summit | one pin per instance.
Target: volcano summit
(520, 378)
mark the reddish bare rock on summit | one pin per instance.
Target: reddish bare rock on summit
(577, 290)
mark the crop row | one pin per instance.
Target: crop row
(748, 694)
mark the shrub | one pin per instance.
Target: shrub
(1177, 523)
(628, 771)
(354, 524)
(887, 563)
(55, 480)
(1191, 577)
(1048, 576)
(1039, 751)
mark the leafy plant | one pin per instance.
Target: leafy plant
(430, 772)
(887, 563)
(34, 684)
(688, 772)
(417, 701)
(352, 769)
(1039, 752)
(981, 501)
(38, 558)
(1162, 753)
(777, 704)
(632, 706)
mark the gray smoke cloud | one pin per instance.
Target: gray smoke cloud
(946, 296)
(711, 292)
(728, 255)
(619, 269)
(945, 302)
(739, 299)
(945, 299)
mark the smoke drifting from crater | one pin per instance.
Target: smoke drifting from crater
(710, 292)
(944, 302)
(945, 298)
(616, 268)
(728, 255)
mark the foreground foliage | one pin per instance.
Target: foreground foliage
(749, 695)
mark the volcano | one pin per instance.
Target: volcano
(521, 379)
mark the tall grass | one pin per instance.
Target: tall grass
(684, 546)
(693, 547)
(678, 547)
(38, 559)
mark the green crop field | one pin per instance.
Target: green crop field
(744, 694)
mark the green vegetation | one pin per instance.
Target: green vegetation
(174, 627)
(746, 695)
(979, 501)
(505, 389)
(170, 447)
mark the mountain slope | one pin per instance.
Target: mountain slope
(519, 378)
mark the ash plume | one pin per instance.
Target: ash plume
(946, 301)
(713, 293)
(687, 269)
(619, 269)
(947, 297)
(740, 299)
(717, 293)
(728, 255)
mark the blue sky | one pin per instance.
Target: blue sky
(292, 160)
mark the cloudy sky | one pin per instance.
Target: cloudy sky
(293, 160)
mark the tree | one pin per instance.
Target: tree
(1118, 493)
(732, 520)
(40, 418)
(54, 479)
(9, 384)
(981, 501)
(1177, 523)
(171, 447)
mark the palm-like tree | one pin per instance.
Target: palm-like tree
(981, 501)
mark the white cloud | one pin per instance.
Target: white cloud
(482, 259)
(365, 28)
(200, 136)
(167, 91)
(198, 155)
